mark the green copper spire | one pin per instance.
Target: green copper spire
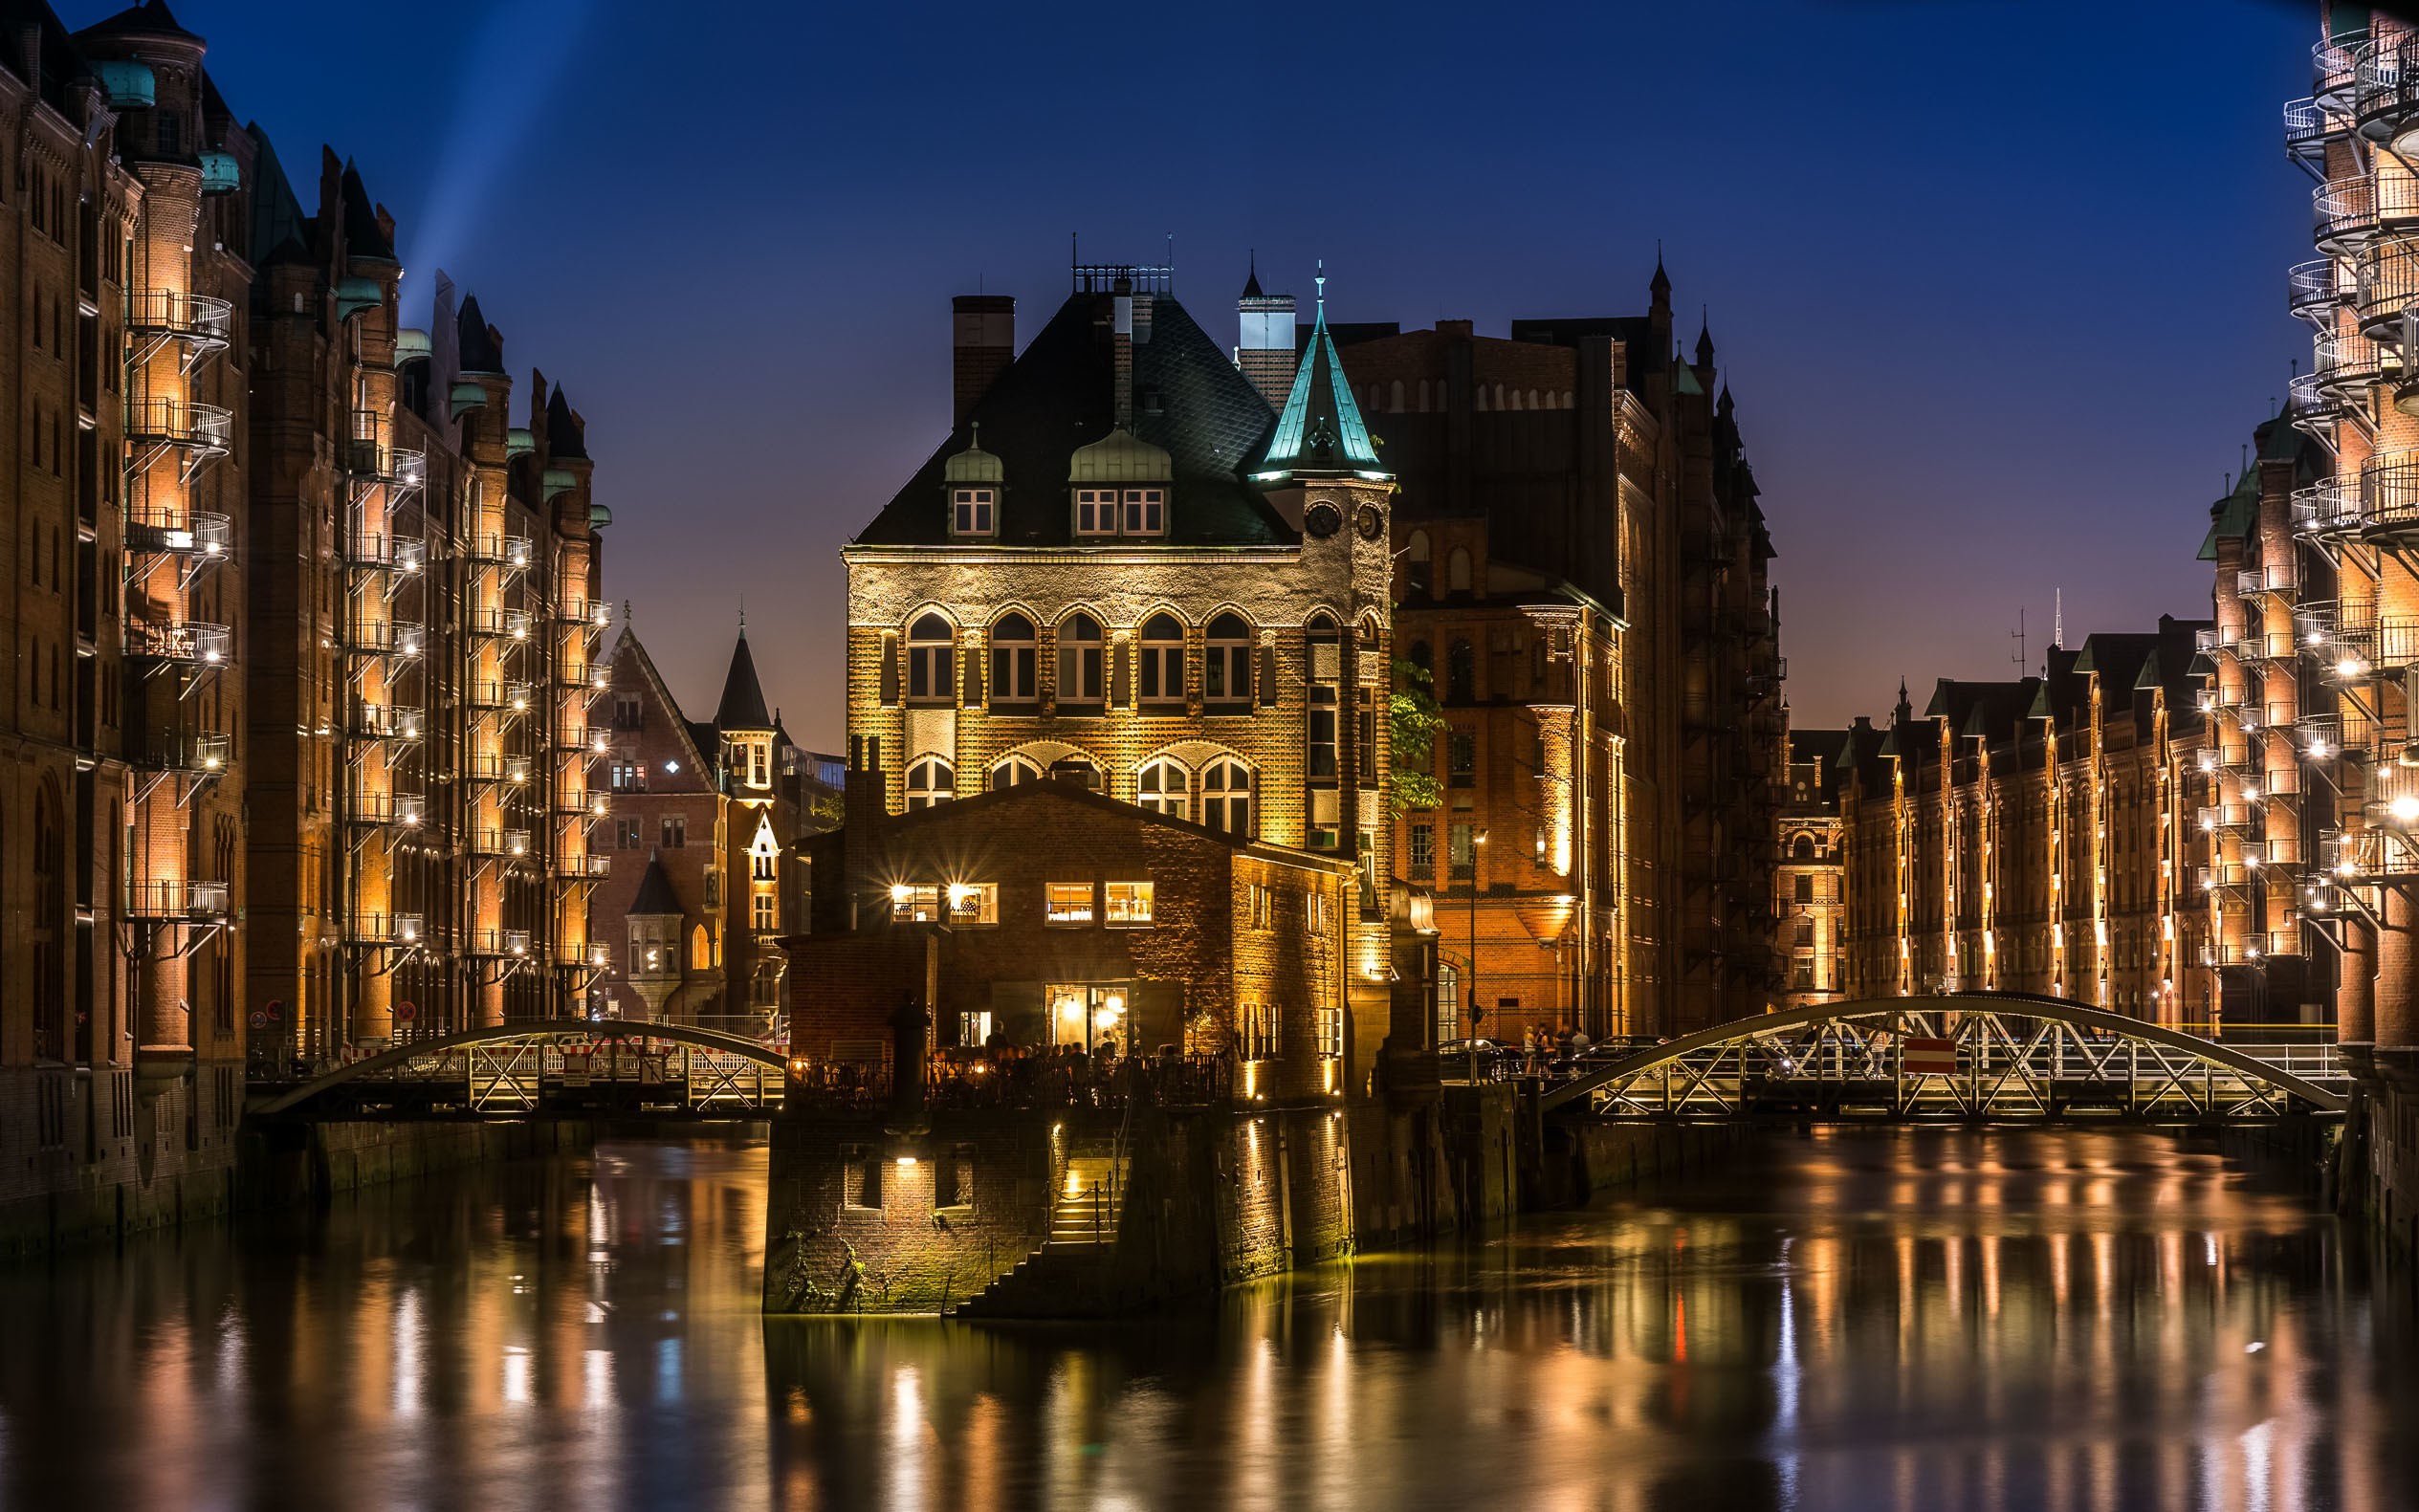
(1320, 433)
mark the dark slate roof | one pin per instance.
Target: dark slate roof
(655, 893)
(1059, 394)
(482, 350)
(280, 232)
(151, 19)
(1989, 711)
(706, 738)
(743, 706)
(566, 435)
(62, 63)
(363, 237)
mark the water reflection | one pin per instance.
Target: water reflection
(1918, 1322)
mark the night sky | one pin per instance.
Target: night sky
(1999, 287)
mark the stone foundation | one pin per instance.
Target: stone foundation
(2380, 1172)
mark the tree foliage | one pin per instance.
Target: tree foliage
(1415, 719)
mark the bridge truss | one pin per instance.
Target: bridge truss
(2015, 1059)
(569, 1067)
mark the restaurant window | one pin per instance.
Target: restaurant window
(916, 903)
(1069, 902)
(1128, 903)
(974, 903)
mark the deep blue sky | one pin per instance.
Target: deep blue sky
(1999, 287)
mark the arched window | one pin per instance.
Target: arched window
(700, 949)
(1422, 657)
(1461, 681)
(1015, 771)
(1165, 788)
(1326, 669)
(1804, 849)
(1419, 572)
(1532, 400)
(1226, 672)
(1162, 660)
(1013, 643)
(1423, 396)
(930, 781)
(931, 661)
(1226, 797)
(1457, 570)
(1079, 661)
(1397, 396)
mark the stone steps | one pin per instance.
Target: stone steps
(1074, 1268)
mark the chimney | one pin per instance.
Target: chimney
(982, 338)
(1265, 348)
(1121, 329)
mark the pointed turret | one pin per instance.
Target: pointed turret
(1659, 288)
(566, 437)
(1320, 432)
(1251, 280)
(481, 344)
(368, 234)
(1264, 346)
(742, 707)
(1704, 343)
(656, 898)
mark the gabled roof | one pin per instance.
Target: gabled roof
(363, 237)
(151, 19)
(699, 752)
(743, 706)
(566, 437)
(1059, 394)
(280, 232)
(1320, 432)
(655, 895)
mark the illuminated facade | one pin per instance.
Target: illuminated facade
(1809, 875)
(2039, 836)
(1124, 567)
(1582, 567)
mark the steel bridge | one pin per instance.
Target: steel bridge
(565, 1068)
(1978, 1056)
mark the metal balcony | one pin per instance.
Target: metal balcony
(489, 766)
(198, 431)
(186, 641)
(382, 551)
(402, 810)
(2217, 817)
(584, 868)
(2342, 215)
(580, 804)
(2312, 291)
(569, 737)
(507, 843)
(2385, 93)
(190, 754)
(199, 322)
(510, 624)
(2334, 74)
(499, 944)
(196, 532)
(366, 457)
(582, 612)
(584, 956)
(512, 553)
(385, 722)
(2327, 508)
(2272, 579)
(383, 929)
(2348, 366)
(199, 902)
(488, 694)
(2317, 413)
(384, 638)
(2389, 492)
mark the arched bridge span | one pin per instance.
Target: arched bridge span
(1961, 1056)
(568, 1066)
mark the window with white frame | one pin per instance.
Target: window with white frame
(765, 915)
(1256, 1031)
(1080, 661)
(1014, 772)
(916, 903)
(971, 510)
(1162, 787)
(1146, 511)
(1329, 1023)
(974, 903)
(1095, 512)
(1069, 901)
(1314, 911)
(1226, 797)
(1162, 660)
(1128, 904)
(930, 781)
(1226, 665)
(931, 661)
(1013, 644)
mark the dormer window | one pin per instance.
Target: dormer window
(973, 511)
(1146, 511)
(1095, 512)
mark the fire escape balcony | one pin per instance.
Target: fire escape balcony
(582, 868)
(199, 323)
(2348, 366)
(508, 698)
(2268, 645)
(2326, 508)
(197, 432)
(382, 929)
(510, 552)
(369, 460)
(506, 842)
(2389, 492)
(385, 722)
(2314, 290)
(580, 804)
(2385, 93)
(572, 677)
(188, 642)
(590, 956)
(2275, 579)
(398, 810)
(507, 625)
(490, 766)
(2216, 818)
(186, 754)
(383, 551)
(499, 944)
(2317, 413)
(195, 902)
(195, 533)
(383, 638)
(2343, 215)
(2308, 127)
(574, 735)
(584, 614)
(2334, 74)
(2388, 285)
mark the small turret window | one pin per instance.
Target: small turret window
(973, 511)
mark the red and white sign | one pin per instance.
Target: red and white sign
(406, 1012)
(1927, 1058)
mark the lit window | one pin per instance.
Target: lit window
(974, 903)
(1070, 903)
(916, 904)
(1256, 1028)
(1095, 512)
(1012, 648)
(1330, 1033)
(931, 661)
(1424, 851)
(1014, 772)
(1146, 511)
(973, 511)
(764, 912)
(1128, 903)
(930, 781)
(1314, 911)
(1259, 906)
(1226, 797)
(1079, 661)
(1162, 787)
(1226, 669)
(1162, 660)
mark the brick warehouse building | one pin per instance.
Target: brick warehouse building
(701, 819)
(1809, 884)
(1123, 565)
(2042, 835)
(1055, 915)
(1582, 568)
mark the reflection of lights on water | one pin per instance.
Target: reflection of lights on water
(516, 1376)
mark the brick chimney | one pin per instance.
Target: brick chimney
(982, 338)
(1121, 332)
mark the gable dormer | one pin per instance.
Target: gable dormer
(971, 482)
(1119, 485)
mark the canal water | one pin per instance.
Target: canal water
(1904, 1320)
